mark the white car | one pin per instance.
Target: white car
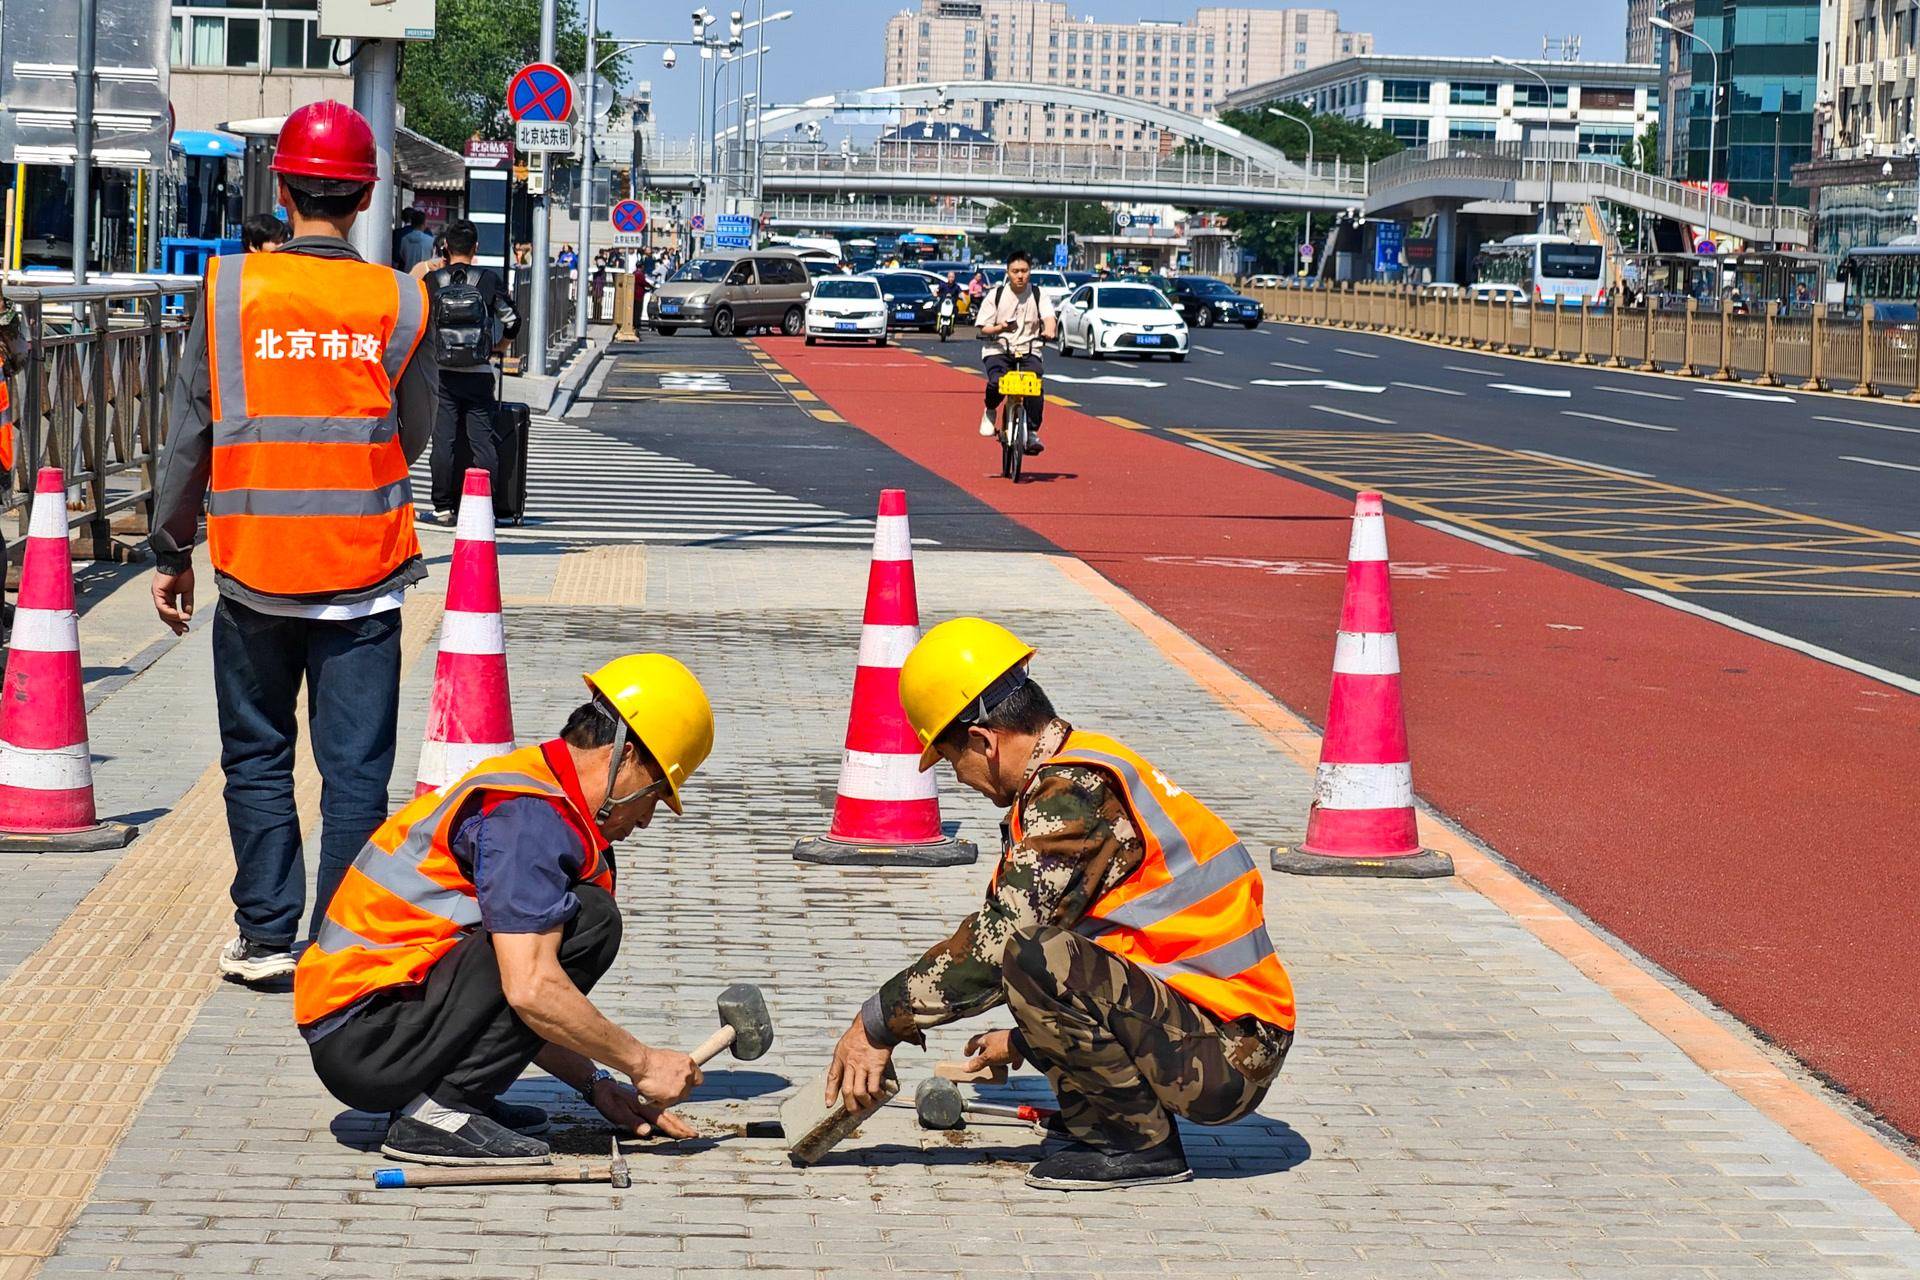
(1053, 287)
(1121, 319)
(846, 308)
(1264, 282)
(1493, 291)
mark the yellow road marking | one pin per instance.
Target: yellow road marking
(785, 377)
(1128, 423)
(826, 415)
(804, 396)
(1062, 400)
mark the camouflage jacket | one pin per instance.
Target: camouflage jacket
(1079, 841)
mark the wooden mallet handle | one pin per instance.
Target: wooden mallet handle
(710, 1048)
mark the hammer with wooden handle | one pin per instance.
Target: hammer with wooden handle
(745, 1026)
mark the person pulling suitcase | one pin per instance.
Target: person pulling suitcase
(471, 321)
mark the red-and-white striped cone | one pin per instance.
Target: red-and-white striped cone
(471, 717)
(885, 811)
(46, 767)
(1362, 820)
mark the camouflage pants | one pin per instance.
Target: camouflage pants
(1126, 1052)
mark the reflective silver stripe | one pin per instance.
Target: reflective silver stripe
(1181, 893)
(1224, 961)
(1173, 844)
(311, 502)
(229, 347)
(305, 430)
(334, 938)
(406, 326)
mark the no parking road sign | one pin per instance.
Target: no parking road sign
(540, 100)
(629, 219)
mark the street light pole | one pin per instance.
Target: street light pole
(1307, 237)
(537, 318)
(1546, 210)
(583, 281)
(759, 96)
(1713, 105)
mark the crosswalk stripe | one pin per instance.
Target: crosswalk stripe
(587, 486)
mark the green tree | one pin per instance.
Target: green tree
(1273, 239)
(454, 86)
(1034, 225)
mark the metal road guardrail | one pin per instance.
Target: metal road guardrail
(91, 369)
(1518, 172)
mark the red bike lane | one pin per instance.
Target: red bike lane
(1732, 809)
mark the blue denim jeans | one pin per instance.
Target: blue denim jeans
(352, 673)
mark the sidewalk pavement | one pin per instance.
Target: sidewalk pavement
(1462, 1100)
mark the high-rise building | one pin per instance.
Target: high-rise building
(1188, 66)
(1639, 31)
(1763, 123)
(1676, 62)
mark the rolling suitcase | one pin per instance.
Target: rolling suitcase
(512, 425)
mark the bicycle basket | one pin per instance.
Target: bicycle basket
(1019, 382)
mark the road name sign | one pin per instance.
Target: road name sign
(535, 136)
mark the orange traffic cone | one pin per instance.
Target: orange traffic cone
(886, 811)
(46, 767)
(471, 716)
(1362, 821)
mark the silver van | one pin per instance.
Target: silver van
(728, 293)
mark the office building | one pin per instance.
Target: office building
(1863, 115)
(1676, 63)
(1768, 66)
(1188, 66)
(1640, 32)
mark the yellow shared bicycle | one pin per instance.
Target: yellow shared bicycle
(1020, 387)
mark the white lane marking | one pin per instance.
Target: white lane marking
(1302, 341)
(1744, 395)
(1461, 368)
(1582, 462)
(1255, 463)
(1841, 660)
(1480, 538)
(1348, 413)
(1910, 533)
(1618, 422)
(1349, 351)
(1876, 462)
(1298, 368)
(1331, 384)
(1633, 391)
(1209, 382)
(1107, 380)
(1519, 390)
(1877, 426)
(1421, 386)
(1212, 351)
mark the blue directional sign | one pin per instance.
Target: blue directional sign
(733, 231)
(540, 92)
(1060, 254)
(1388, 239)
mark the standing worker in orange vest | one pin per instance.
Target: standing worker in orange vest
(303, 398)
(1123, 928)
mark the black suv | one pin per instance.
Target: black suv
(1206, 302)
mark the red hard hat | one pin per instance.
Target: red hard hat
(327, 140)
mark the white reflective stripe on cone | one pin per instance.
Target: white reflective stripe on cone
(891, 541)
(57, 769)
(1363, 786)
(479, 633)
(886, 646)
(49, 519)
(443, 762)
(870, 775)
(1366, 653)
(46, 631)
(476, 520)
(1369, 541)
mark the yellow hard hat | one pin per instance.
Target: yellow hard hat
(949, 669)
(664, 705)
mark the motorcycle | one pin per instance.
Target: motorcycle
(943, 322)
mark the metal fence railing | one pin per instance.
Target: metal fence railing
(1806, 349)
(92, 368)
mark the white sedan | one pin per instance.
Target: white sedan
(847, 308)
(1052, 285)
(1121, 319)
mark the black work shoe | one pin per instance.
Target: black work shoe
(523, 1118)
(1082, 1167)
(1033, 444)
(479, 1141)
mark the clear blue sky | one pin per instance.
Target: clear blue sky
(836, 44)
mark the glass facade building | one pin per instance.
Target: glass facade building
(1769, 55)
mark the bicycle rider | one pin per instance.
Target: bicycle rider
(1017, 318)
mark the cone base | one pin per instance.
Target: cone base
(1423, 865)
(95, 839)
(949, 852)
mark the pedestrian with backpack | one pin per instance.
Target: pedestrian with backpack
(471, 319)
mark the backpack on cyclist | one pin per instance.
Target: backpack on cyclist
(463, 324)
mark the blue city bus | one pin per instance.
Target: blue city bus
(1888, 276)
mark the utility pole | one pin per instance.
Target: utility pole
(537, 319)
(583, 281)
(83, 142)
(759, 99)
(376, 66)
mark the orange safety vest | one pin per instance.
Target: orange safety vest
(6, 427)
(1191, 913)
(310, 494)
(405, 902)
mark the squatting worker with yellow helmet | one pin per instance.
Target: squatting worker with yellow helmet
(304, 393)
(1123, 928)
(463, 941)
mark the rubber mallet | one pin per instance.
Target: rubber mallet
(745, 1026)
(613, 1171)
(940, 1105)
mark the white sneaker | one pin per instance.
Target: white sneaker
(251, 961)
(986, 425)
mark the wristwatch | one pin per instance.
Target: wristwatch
(593, 1082)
